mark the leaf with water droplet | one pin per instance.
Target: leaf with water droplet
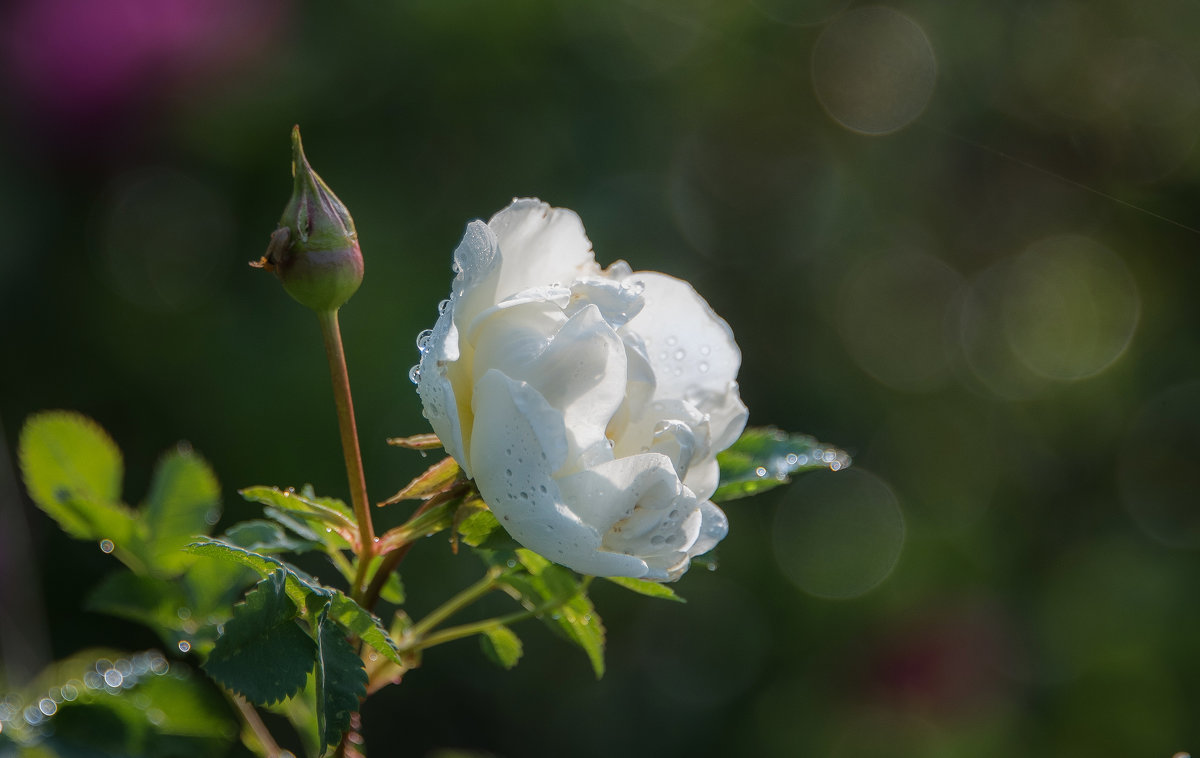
(73, 471)
(765, 457)
(305, 592)
(263, 654)
(501, 646)
(340, 679)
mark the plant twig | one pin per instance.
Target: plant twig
(350, 450)
(257, 727)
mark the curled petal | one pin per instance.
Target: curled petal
(519, 442)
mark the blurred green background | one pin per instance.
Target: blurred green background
(954, 238)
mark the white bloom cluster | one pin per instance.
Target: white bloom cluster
(587, 404)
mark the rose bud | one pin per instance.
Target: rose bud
(314, 251)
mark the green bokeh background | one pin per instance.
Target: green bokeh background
(991, 307)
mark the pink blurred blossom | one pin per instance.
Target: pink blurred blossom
(88, 60)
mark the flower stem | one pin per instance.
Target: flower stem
(257, 727)
(454, 605)
(332, 335)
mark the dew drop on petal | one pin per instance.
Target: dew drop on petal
(702, 367)
(414, 374)
(679, 354)
(47, 706)
(443, 307)
(113, 678)
(760, 471)
(184, 646)
(424, 339)
(106, 546)
(705, 350)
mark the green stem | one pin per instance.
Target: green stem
(332, 335)
(256, 726)
(454, 605)
(478, 627)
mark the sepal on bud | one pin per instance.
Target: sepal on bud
(314, 251)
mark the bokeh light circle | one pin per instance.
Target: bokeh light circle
(893, 314)
(873, 70)
(160, 234)
(1071, 307)
(1159, 467)
(838, 535)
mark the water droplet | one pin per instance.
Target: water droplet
(184, 646)
(155, 716)
(703, 367)
(792, 459)
(679, 354)
(443, 307)
(672, 340)
(92, 680)
(510, 563)
(678, 371)
(424, 340)
(760, 471)
(212, 516)
(113, 678)
(663, 355)
(69, 692)
(705, 350)
(107, 546)
(184, 614)
(637, 287)
(47, 706)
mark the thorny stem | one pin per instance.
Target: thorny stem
(256, 725)
(349, 430)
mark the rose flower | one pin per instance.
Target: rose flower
(587, 404)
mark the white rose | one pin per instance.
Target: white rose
(588, 405)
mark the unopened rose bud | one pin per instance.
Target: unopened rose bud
(314, 251)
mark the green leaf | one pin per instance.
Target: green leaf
(325, 509)
(73, 471)
(266, 537)
(184, 501)
(765, 457)
(341, 680)
(263, 654)
(435, 480)
(305, 592)
(647, 588)
(393, 589)
(363, 624)
(568, 610)
(157, 708)
(147, 600)
(481, 530)
(502, 646)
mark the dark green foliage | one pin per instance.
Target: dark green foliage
(263, 654)
(341, 681)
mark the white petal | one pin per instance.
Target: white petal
(440, 402)
(477, 263)
(611, 492)
(579, 369)
(690, 348)
(518, 443)
(540, 245)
